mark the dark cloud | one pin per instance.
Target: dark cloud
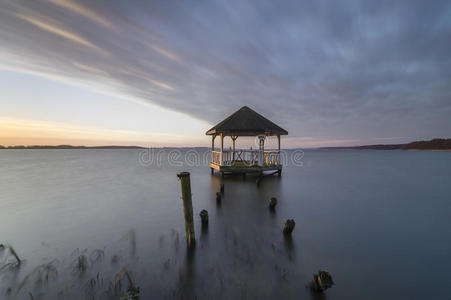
(353, 69)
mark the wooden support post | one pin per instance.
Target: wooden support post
(261, 150)
(222, 147)
(187, 208)
(279, 167)
(233, 149)
(233, 146)
(212, 149)
(260, 154)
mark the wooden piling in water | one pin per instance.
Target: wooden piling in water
(321, 281)
(289, 226)
(258, 180)
(187, 208)
(218, 197)
(272, 203)
(204, 217)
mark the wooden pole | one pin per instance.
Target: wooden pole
(233, 146)
(187, 208)
(222, 147)
(261, 150)
(212, 149)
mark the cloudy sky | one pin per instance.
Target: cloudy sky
(160, 73)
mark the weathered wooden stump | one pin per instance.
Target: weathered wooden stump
(272, 203)
(187, 208)
(321, 281)
(218, 197)
(289, 226)
(204, 217)
(222, 188)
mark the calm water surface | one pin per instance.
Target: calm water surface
(379, 221)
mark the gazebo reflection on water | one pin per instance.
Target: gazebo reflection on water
(245, 122)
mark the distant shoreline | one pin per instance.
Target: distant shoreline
(431, 145)
(356, 148)
(428, 149)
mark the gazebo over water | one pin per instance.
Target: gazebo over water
(245, 122)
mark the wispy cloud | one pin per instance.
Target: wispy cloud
(84, 11)
(166, 53)
(58, 30)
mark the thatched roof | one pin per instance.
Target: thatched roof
(245, 121)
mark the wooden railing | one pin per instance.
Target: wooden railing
(216, 157)
(226, 158)
(271, 158)
(247, 157)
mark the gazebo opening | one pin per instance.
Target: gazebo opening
(245, 122)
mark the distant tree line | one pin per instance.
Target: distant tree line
(434, 144)
(442, 144)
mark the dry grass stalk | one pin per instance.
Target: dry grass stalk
(80, 265)
(12, 251)
(123, 272)
(96, 256)
(49, 270)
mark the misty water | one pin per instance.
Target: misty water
(379, 221)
